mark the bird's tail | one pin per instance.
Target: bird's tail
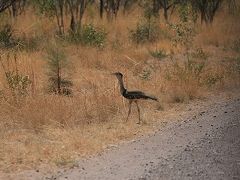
(151, 97)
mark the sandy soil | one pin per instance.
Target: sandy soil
(201, 142)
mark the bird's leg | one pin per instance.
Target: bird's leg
(138, 112)
(129, 111)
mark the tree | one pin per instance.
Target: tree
(53, 8)
(207, 9)
(110, 6)
(77, 9)
(101, 8)
(58, 73)
(127, 4)
(17, 7)
(56, 8)
(4, 4)
(232, 6)
(166, 5)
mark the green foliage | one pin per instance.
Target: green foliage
(58, 66)
(187, 12)
(184, 33)
(45, 7)
(145, 32)
(184, 30)
(158, 54)
(148, 9)
(89, 35)
(93, 36)
(18, 83)
(6, 39)
(147, 29)
(145, 74)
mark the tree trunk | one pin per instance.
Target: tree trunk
(101, 8)
(165, 14)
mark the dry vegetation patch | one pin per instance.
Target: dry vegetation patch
(41, 127)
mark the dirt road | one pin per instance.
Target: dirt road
(201, 144)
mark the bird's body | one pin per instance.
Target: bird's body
(132, 96)
(137, 95)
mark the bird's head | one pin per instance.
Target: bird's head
(118, 74)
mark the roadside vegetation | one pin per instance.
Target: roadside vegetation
(58, 101)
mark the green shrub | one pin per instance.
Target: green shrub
(184, 31)
(18, 83)
(93, 36)
(158, 54)
(144, 32)
(6, 39)
(145, 74)
(88, 35)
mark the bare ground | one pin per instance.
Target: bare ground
(201, 142)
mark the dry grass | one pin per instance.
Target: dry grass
(43, 128)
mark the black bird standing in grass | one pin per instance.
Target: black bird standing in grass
(132, 96)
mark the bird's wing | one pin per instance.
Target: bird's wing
(136, 92)
(139, 95)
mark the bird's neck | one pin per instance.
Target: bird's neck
(122, 88)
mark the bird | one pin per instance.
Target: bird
(132, 96)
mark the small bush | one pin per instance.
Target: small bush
(184, 31)
(158, 54)
(93, 36)
(6, 39)
(89, 35)
(144, 32)
(145, 74)
(17, 82)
